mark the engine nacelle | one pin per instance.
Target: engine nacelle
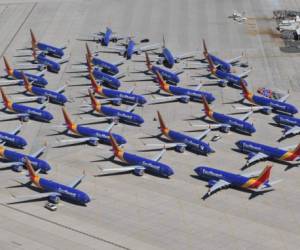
(211, 183)
(93, 142)
(177, 60)
(41, 67)
(17, 168)
(42, 99)
(160, 61)
(222, 83)
(139, 171)
(117, 102)
(180, 148)
(286, 128)
(54, 199)
(225, 129)
(250, 155)
(184, 99)
(24, 118)
(267, 111)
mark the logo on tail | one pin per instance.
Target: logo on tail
(27, 85)
(33, 40)
(162, 83)
(32, 174)
(7, 102)
(205, 52)
(263, 178)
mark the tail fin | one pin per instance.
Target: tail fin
(212, 67)
(5, 99)
(162, 83)
(95, 103)
(33, 40)
(262, 178)
(205, 52)
(93, 82)
(9, 70)
(148, 62)
(116, 148)
(89, 63)
(163, 126)
(88, 52)
(208, 111)
(246, 92)
(30, 169)
(296, 151)
(27, 85)
(164, 41)
(34, 54)
(67, 118)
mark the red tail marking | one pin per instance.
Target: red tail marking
(296, 151)
(263, 177)
(162, 82)
(212, 67)
(71, 125)
(30, 169)
(95, 86)
(205, 52)
(246, 92)
(207, 109)
(117, 150)
(163, 126)
(89, 63)
(27, 85)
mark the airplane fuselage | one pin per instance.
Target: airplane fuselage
(14, 140)
(272, 152)
(52, 95)
(51, 50)
(106, 38)
(37, 80)
(124, 96)
(287, 120)
(169, 76)
(106, 66)
(111, 81)
(50, 64)
(168, 57)
(229, 77)
(130, 49)
(222, 65)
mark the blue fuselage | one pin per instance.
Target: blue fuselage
(222, 65)
(124, 96)
(106, 38)
(106, 66)
(14, 140)
(50, 64)
(287, 120)
(167, 75)
(32, 112)
(168, 57)
(130, 49)
(229, 77)
(195, 95)
(52, 95)
(37, 80)
(51, 50)
(111, 81)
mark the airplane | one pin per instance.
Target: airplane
(89, 135)
(182, 94)
(226, 122)
(25, 112)
(111, 81)
(12, 139)
(129, 48)
(290, 124)
(17, 74)
(139, 164)
(168, 59)
(225, 78)
(46, 48)
(265, 104)
(256, 183)
(108, 36)
(16, 160)
(169, 76)
(53, 191)
(224, 65)
(53, 96)
(107, 67)
(117, 96)
(183, 141)
(257, 152)
(122, 115)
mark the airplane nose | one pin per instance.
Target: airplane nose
(276, 118)
(87, 199)
(239, 144)
(198, 170)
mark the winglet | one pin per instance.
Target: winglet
(162, 83)
(7, 102)
(148, 63)
(164, 129)
(116, 148)
(27, 85)
(30, 169)
(207, 109)
(95, 103)
(33, 39)
(9, 70)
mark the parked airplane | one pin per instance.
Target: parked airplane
(107, 67)
(53, 191)
(46, 48)
(182, 94)
(183, 141)
(87, 134)
(24, 112)
(16, 160)
(123, 115)
(267, 104)
(12, 139)
(17, 74)
(168, 59)
(257, 152)
(291, 124)
(108, 36)
(139, 164)
(129, 48)
(117, 96)
(111, 81)
(169, 76)
(257, 182)
(225, 78)
(53, 96)
(226, 122)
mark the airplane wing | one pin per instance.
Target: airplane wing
(63, 60)
(116, 49)
(38, 152)
(219, 184)
(150, 47)
(16, 130)
(198, 86)
(185, 55)
(246, 116)
(10, 164)
(166, 145)
(42, 106)
(61, 89)
(169, 98)
(78, 140)
(41, 73)
(12, 116)
(292, 131)
(77, 181)
(211, 126)
(203, 134)
(130, 91)
(35, 196)
(234, 60)
(251, 174)
(245, 73)
(254, 108)
(284, 98)
(159, 155)
(122, 169)
(257, 157)
(110, 126)
(29, 98)
(131, 108)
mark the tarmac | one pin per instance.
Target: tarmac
(148, 212)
